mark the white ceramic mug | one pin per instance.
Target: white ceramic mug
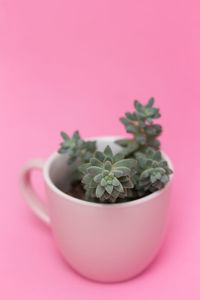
(103, 242)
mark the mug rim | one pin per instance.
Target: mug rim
(56, 190)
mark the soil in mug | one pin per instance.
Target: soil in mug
(76, 190)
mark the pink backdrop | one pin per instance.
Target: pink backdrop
(79, 64)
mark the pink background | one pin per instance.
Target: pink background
(79, 64)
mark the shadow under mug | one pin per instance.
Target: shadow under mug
(103, 242)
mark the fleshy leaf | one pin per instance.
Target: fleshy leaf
(99, 191)
(64, 136)
(115, 182)
(83, 168)
(108, 151)
(150, 103)
(94, 170)
(130, 163)
(109, 189)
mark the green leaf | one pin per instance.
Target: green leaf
(155, 164)
(103, 182)
(145, 174)
(125, 171)
(148, 163)
(98, 178)
(141, 139)
(107, 165)
(138, 106)
(90, 145)
(131, 128)
(150, 152)
(158, 176)
(124, 121)
(157, 115)
(105, 173)
(64, 136)
(115, 181)
(99, 155)
(118, 173)
(161, 170)
(131, 148)
(87, 179)
(163, 164)
(129, 163)
(108, 151)
(109, 189)
(129, 115)
(95, 162)
(92, 185)
(141, 162)
(153, 179)
(83, 168)
(157, 156)
(118, 156)
(99, 191)
(164, 179)
(123, 142)
(119, 188)
(94, 170)
(76, 135)
(150, 103)
(154, 143)
(63, 150)
(155, 111)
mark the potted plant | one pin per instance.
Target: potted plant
(108, 197)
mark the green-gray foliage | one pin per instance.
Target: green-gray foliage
(152, 173)
(76, 148)
(107, 177)
(140, 124)
(139, 169)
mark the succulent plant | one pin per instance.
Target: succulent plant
(139, 169)
(107, 177)
(140, 124)
(153, 172)
(77, 149)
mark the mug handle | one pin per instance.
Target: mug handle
(28, 192)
